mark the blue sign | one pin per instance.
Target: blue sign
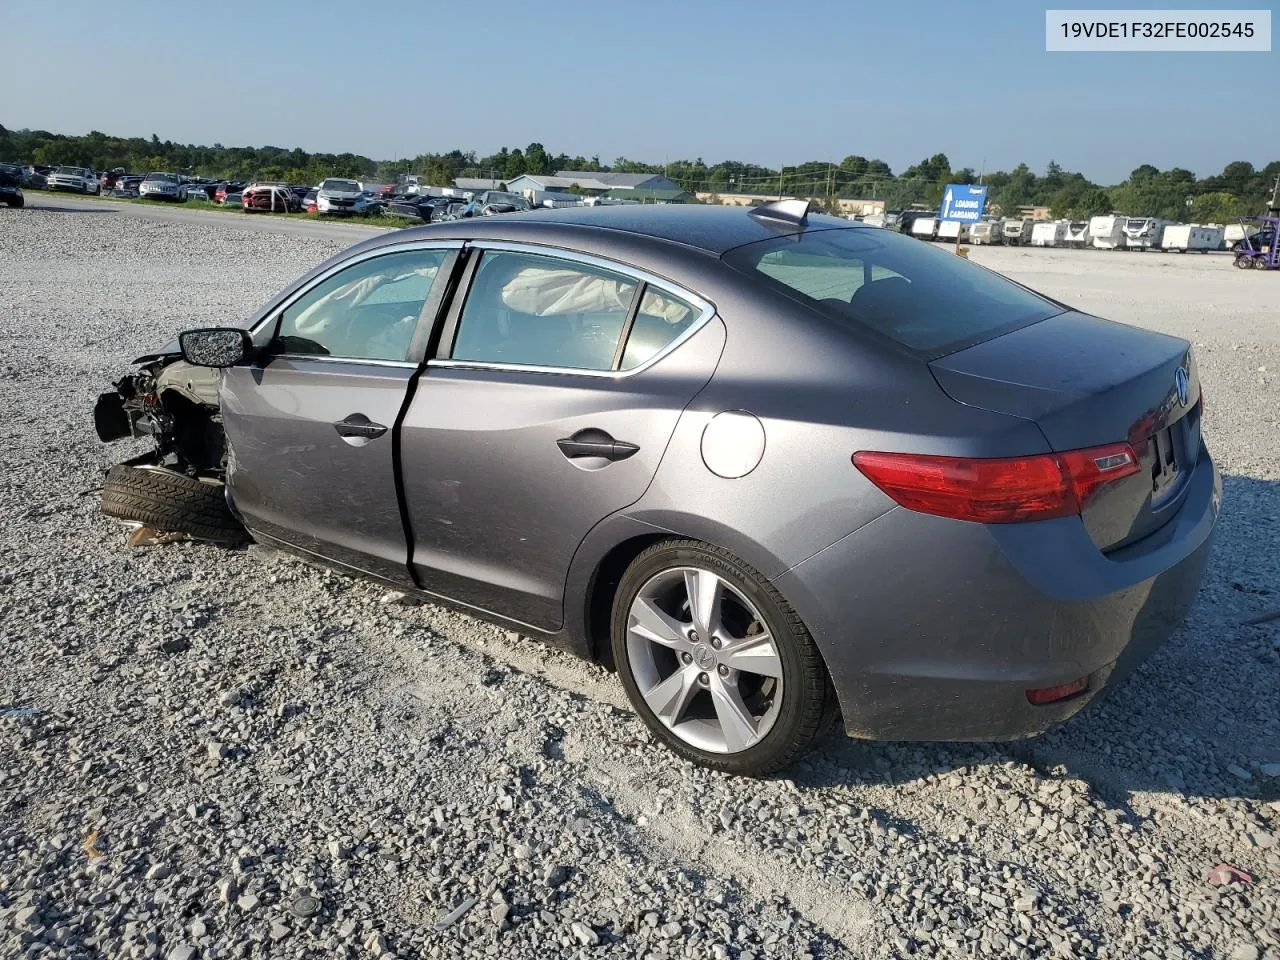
(963, 202)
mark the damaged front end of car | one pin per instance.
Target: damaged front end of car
(174, 403)
(177, 489)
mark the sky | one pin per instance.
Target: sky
(658, 80)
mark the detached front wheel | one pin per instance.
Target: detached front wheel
(715, 661)
(170, 501)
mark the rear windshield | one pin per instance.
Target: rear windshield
(921, 296)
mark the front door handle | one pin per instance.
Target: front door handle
(357, 425)
(595, 443)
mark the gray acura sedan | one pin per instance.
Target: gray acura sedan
(773, 467)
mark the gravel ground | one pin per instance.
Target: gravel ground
(210, 753)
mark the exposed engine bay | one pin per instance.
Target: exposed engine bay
(176, 404)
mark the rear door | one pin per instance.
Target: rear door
(310, 430)
(557, 384)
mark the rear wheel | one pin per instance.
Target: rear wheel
(160, 498)
(715, 661)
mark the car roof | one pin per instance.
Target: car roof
(713, 229)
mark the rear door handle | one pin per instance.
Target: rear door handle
(595, 443)
(359, 426)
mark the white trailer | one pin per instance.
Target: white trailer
(1017, 232)
(985, 231)
(1235, 233)
(924, 228)
(1143, 233)
(1191, 236)
(951, 230)
(1107, 233)
(1049, 233)
(1076, 234)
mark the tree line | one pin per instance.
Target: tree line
(1176, 194)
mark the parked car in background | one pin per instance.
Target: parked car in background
(309, 200)
(416, 207)
(77, 179)
(337, 195)
(108, 179)
(33, 178)
(163, 186)
(775, 467)
(492, 202)
(11, 185)
(223, 190)
(269, 196)
(127, 187)
(199, 191)
(449, 208)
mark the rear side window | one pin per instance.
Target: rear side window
(920, 296)
(540, 311)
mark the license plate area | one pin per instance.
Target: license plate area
(1166, 470)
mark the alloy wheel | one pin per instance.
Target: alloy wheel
(704, 660)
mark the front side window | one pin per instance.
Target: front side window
(369, 311)
(915, 294)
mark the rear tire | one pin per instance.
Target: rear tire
(783, 730)
(170, 501)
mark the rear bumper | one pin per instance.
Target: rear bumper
(934, 629)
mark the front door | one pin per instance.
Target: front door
(557, 385)
(310, 428)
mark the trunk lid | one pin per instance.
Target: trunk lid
(1087, 382)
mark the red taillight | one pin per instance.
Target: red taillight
(1064, 691)
(1008, 490)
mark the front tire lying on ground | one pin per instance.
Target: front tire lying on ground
(170, 501)
(715, 661)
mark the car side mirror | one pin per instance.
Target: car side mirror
(215, 346)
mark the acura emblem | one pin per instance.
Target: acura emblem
(1180, 383)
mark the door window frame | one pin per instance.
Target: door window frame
(428, 317)
(643, 279)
